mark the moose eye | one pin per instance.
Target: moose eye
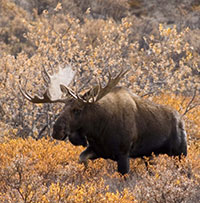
(76, 112)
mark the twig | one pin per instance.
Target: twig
(189, 106)
(180, 106)
(148, 93)
(41, 131)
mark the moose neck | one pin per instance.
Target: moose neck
(95, 119)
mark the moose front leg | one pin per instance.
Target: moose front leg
(123, 164)
(87, 154)
(77, 139)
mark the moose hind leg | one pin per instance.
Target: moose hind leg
(179, 147)
(184, 142)
(123, 164)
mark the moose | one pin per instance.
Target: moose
(111, 121)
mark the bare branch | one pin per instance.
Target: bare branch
(189, 105)
(148, 93)
(41, 131)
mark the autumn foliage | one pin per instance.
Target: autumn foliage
(164, 67)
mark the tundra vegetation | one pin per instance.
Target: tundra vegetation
(164, 61)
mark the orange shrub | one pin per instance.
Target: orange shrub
(48, 171)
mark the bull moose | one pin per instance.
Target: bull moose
(111, 121)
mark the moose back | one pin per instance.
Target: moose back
(114, 123)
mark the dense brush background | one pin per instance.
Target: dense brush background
(158, 40)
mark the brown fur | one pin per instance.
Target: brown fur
(122, 125)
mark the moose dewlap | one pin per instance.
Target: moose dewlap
(112, 122)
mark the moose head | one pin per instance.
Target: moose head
(68, 123)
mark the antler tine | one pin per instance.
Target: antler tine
(68, 90)
(25, 94)
(71, 93)
(112, 82)
(35, 99)
(93, 99)
(99, 86)
(90, 95)
(109, 74)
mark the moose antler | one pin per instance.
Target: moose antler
(96, 93)
(112, 82)
(56, 82)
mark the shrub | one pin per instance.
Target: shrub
(164, 67)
